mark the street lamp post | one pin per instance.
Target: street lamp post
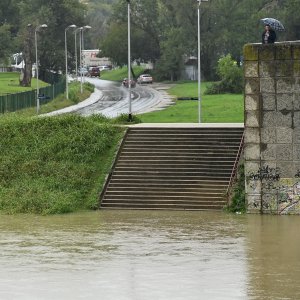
(129, 64)
(82, 29)
(66, 56)
(37, 67)
(199, 63)
(76, 58)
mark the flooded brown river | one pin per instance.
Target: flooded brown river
(149, 255)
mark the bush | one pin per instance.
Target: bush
(238, 200)
(123, 119)
(231, 77)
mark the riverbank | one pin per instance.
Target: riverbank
(54, 164)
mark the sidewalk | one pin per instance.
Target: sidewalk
(94, 97)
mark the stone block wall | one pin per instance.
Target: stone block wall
(272, 127)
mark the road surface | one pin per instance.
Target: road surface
(111, 99)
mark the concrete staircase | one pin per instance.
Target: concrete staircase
(172, 168)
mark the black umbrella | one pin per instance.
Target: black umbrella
(273, 23)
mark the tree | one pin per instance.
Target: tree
(144, 32)
(8, 28)
(231, 77)
(6, 43)
(58, 15)
(98, 14)
(170, 64)
(115, 45)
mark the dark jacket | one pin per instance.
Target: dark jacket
(271, 38)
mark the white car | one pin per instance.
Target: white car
(145, 78)
(105, 68)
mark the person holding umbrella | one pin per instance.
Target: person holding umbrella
(269, 35)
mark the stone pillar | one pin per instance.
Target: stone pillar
(272, 127)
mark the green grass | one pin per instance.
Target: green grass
(224, 108)
(121, 73)
(9, 83)
(54, 165)
(75, 96)
(187, 89)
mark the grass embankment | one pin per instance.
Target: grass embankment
(223, 108)
(54, 165)
(9, 83)
(75, 96)
(121, 73)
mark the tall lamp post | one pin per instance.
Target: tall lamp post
(37, 67)
(129, 64)
(76, 58)
(66, 57)
(199, 63)
(86, 27)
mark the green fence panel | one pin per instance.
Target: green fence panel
(14, 102)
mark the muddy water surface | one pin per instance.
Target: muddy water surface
(141, 255)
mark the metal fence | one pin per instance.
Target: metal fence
(14, 102)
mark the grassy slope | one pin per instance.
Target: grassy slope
(225, 108)
(9, 83)
(60, 101)
(121, 73)
(54, 165)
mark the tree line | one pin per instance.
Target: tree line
(165, 31)
(162, 31)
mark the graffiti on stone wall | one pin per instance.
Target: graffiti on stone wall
(279, 195)
(264, 181)
(289, 197)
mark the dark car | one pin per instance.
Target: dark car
(94, 72)
(125, 83)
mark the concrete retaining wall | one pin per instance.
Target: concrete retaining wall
(272, 127)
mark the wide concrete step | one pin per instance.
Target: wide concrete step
(174, 147)
(178, 173)
(194, 156)
(157, 200)
(170, 206)
(124, 189)
(175, 177)
(163, 193)
(171, 169)
(174, 180)
(169, 184)
(189, 129)
(174, 162)
(173, 140)
(182, 134)
(162, 198)
(158, 165)
(175, 153)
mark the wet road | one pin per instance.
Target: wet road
(114, 99)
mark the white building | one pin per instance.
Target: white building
(90, 58)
